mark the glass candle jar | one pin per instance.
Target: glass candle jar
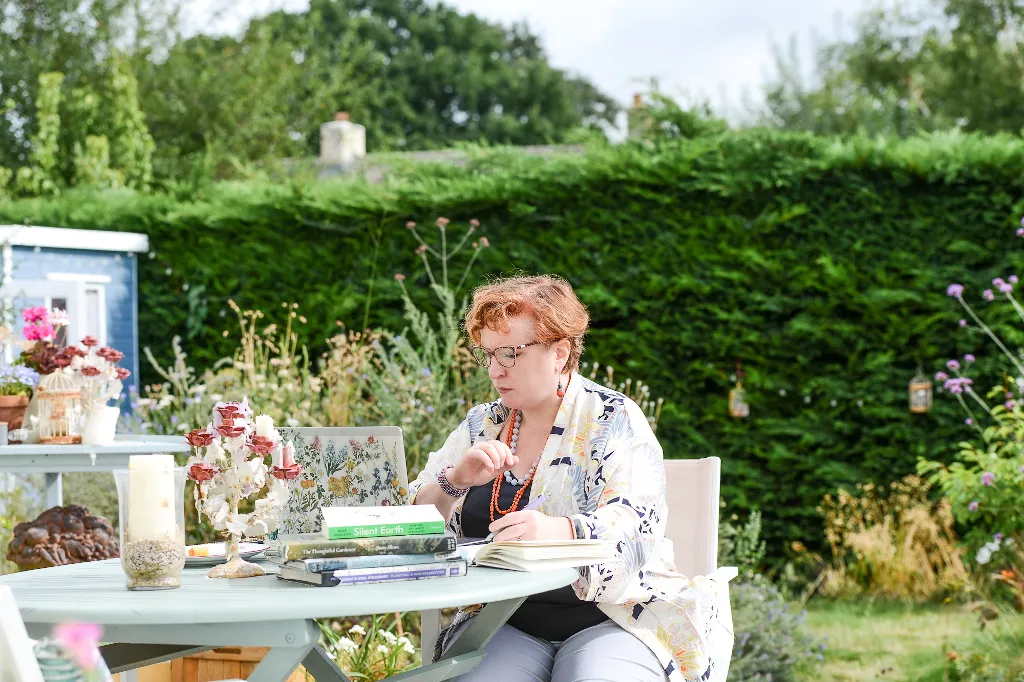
(151, 502)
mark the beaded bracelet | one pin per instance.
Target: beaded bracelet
(446, 485)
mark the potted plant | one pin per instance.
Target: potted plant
(40, 331)
(40, 352)
(17, 384)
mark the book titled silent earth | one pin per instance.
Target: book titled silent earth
(344, 523)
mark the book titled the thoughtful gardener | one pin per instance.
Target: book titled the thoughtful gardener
(342, 523)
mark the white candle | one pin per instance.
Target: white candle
(264, 425)
(151, 503)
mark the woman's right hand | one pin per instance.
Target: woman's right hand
(481, 464)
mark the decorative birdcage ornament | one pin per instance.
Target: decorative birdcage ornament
(60, 409)
(920, 392)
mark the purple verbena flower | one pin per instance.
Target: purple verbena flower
(1006, 288)
(963, 323)
(988, 478)
(958, 384)
(955, 290)
(1020, 232)
(988, 295)
(941, 376)
(969, 421)
(969, 358)
(1013, 279)
(997, 537)
(953, 365)
(973, 506)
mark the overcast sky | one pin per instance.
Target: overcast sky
(718, 49)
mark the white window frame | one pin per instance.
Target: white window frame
(86, 283)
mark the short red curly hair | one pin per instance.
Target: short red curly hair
(550, 300)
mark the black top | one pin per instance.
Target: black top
(556, 615)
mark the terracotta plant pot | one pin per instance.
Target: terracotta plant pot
(12, 410)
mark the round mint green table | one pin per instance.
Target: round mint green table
(151, 627)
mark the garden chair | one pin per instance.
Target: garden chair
(349, 467)
(693, 504)
(17, 660)
(341, 467)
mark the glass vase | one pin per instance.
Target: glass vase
(151, 502)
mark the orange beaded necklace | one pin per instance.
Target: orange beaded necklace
(496, 488)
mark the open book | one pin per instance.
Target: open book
(537, 555)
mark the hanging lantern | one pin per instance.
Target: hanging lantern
(60, 409)
(920, 391)
(738, 406)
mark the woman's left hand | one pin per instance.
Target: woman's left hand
(531, 525)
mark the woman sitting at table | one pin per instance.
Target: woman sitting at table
(591, 451)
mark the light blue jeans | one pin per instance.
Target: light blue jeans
(602, 653)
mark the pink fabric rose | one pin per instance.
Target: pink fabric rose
(80, 642)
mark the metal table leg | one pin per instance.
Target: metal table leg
(462, 656)
(54, 490)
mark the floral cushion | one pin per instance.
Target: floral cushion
(344, 467)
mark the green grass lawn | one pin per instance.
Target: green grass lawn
(902, 643)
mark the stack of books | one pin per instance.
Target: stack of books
(359, 545)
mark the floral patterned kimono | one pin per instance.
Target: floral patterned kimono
(602, 467)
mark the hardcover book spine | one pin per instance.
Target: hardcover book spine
(379, 530)
(282, 550)
(383, 561)
(450, 569)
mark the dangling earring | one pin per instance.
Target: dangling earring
(560, 391)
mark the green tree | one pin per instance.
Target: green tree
(954, 64)
(417, 74)
(71, 37)
(447, 77)
(40, 175)
(249, 99)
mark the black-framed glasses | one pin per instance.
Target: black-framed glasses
(505, 355)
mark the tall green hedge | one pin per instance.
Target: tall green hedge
(820, 264)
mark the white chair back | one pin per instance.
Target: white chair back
(693, 502)
(17, 660)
